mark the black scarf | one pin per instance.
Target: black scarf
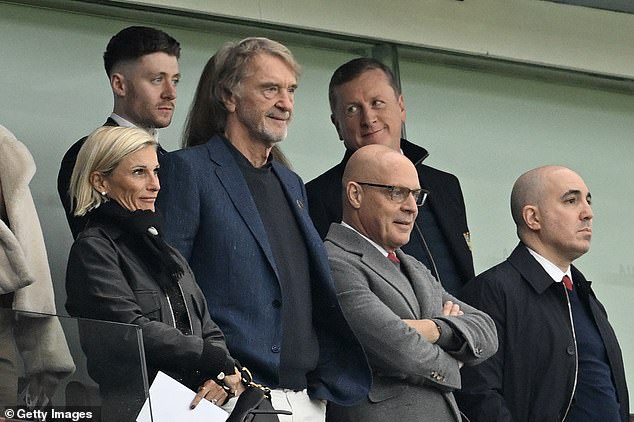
(144, 235)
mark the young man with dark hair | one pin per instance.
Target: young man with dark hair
(142, 66)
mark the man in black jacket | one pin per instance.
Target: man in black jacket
(558, 357)
(142, 66)
(367, 108)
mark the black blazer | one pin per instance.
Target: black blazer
(446, 202)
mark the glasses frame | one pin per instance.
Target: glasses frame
(420, 195)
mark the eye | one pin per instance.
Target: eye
(176, 81)
(351, 110)
(157, 80)
(271, 92)
(378, 104)
(398, 194)
(138, 172)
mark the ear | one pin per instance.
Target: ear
(98, 182)
(230, 101)
(532, 217)
(401, 106)
(118, 84)
(354, 195)
(334, 122)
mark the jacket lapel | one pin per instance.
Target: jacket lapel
(236, 187)
(371, 257)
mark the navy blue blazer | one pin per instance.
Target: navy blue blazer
(212, 219)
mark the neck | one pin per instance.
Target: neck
(559, 261)
(255, 151)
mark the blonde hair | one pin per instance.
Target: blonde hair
(102, 152)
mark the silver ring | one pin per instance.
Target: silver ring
(214, 401)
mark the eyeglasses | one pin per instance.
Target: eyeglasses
(400, 194)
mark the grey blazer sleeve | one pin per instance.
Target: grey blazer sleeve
(375, 311)
(475, 330)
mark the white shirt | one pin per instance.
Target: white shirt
(125, 123)
(553, 271)
(373, 243)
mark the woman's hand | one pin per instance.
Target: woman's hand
(218, 394)
(234, 383)
(211, 391)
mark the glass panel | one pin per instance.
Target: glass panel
(110, 378)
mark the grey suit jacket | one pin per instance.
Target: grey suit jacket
(412, 378)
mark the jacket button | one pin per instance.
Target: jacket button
(277, 303)
(571, 350)
(275, 349)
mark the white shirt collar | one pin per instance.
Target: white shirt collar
(126, 123)
(553, 271)
(372, 242)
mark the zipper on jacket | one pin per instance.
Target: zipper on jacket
(574, 338)
(169, 305)
(189, 315)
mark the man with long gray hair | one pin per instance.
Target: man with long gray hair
(241, 220)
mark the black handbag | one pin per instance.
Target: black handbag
(254, 403)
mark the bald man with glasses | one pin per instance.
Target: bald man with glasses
(415, 335)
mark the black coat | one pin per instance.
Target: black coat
(445, 200)
(106, 281)
(532, 375)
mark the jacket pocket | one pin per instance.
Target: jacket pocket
(150, 303)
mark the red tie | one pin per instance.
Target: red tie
(392, 257)
(567, 282)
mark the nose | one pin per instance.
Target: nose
(586, 211)
(368, 116)
(169, 90)
(285, 100)
(154, 184)
(409, 205)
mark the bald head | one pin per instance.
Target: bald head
(375, 163)
(369, 180)
(551, 207)
(527, 190)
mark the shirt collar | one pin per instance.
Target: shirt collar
(553, 271)
(372, 242)
(126, 123)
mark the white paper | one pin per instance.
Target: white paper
(170, 402)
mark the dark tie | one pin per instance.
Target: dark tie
(392, 257)
(567, 282)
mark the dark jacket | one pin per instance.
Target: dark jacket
(445, 200)
(105, 280)
(532, 376)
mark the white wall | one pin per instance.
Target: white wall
(530, 31)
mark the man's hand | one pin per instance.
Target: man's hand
(451, 309)
(425, 327)
(428, 328)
